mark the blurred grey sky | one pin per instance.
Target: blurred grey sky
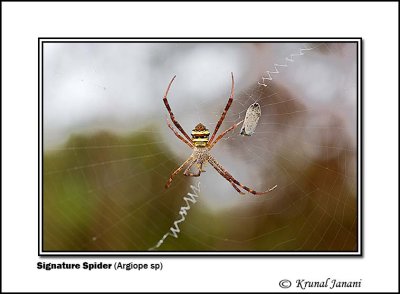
(119, 86)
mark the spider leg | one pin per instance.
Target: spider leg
(176, 123)
(193, 175)
(179, 136)
(177, 171)
(224, 133)
(230, 100)
(201, 168)
(189, 174)
(236, 188)
(229, 177)
(222, 173)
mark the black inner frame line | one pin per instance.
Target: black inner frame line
(62, 253)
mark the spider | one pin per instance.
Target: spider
(202, 145)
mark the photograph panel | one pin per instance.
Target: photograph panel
(200, 146)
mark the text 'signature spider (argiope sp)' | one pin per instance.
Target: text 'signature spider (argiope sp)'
(201, 146)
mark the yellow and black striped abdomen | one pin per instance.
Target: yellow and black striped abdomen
(200, 136)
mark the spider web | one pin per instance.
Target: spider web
(108, 151)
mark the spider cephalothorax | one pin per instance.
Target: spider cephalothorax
(201, 146)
